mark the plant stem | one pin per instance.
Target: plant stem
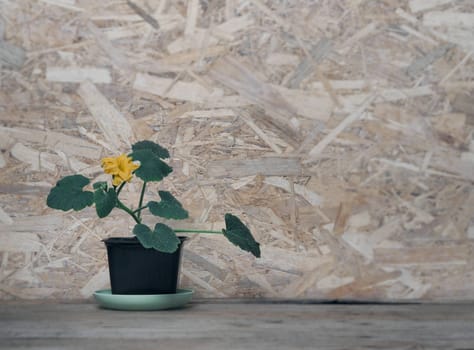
(122, 206)
(197, 231)
(140, 209)
(120, 187)
(140, 203)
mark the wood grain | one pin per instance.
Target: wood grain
(236, 325)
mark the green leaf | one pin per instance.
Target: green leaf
(105, 200)
(100, 184)
(68, 194)
(240, 235)
(162, 238)
(152, 168)
(159, 151)
(169, 207)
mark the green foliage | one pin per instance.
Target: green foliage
(68, 194)
(105, 199)
(100, 185)
(159, 151)
(240, 235)
(162, 238)
(152, 168)
(169, 207)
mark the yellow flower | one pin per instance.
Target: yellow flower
(121, 168)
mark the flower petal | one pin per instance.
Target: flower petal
(121, 167)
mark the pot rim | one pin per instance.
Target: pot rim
(131, 240)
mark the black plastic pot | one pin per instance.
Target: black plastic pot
(137, 270)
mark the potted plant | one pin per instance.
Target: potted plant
(146, 263)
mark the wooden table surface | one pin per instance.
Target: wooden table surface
(227, 325)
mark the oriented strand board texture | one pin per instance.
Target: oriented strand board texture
(340, 131)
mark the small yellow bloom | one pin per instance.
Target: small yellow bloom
(121, 168)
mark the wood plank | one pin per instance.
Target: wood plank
(232, 324)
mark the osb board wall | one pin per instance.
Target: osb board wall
(340, 131)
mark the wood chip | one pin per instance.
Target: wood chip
(445, 18)
(343, 215)
(98, 281)
(19, 241)
(116, 56)
(113, 124)
(5, 218)
(307, 66)
(311, 197)
(191, 17)
(422, 5)
(143, 14)
(11, 56)
(421, 63)
(78, 75)
(37, 160)
(193, 92)
(316, 150)
(269, 166)
(243, 80)
(434, 256)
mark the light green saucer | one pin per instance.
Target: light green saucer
(135, 302)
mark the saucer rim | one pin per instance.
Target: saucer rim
(143, 302)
